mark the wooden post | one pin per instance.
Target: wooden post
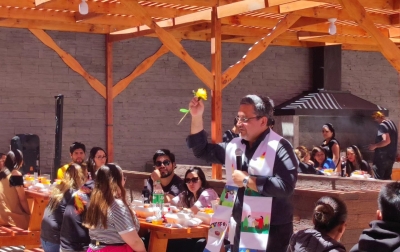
(216, 93)
(109, 101)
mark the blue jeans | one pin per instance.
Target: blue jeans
(50, 247)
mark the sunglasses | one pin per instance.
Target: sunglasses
(165, 163)
(193, 180)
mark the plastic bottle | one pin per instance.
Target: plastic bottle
(158, 198)
(145, 193)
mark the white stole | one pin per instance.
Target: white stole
(256, 213)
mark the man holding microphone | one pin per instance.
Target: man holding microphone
(268, 169)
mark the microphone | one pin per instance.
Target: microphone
(238, 153)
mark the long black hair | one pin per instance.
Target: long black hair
(188, 195)
(13, 160)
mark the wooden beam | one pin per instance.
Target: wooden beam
(306, 21)
(98, 7)
(319, 12)
(188, 27)
(240, 7)
(298, 5)
(281, 27)
(368, 48)
(373, 4)
(109, 101)
(208, 3)
(388, 48)
(170, 42)
(184, 20)
(139, 70)
(70, 61)
(216, 93)
(57, 26)
(336, 39)
(80, 18)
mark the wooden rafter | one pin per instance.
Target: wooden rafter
(298, 5)
(240, 7)
(70, 61)
(139, 70)
(388, 48)
(283, 24)
(170, 42)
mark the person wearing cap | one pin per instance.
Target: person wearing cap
(385, 147)
(263, 183)
(77, 151)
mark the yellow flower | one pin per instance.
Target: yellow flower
(201, 93)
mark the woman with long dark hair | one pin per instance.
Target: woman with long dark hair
(112, 224)
(330, 144)
(329, 218)
(354, 161)
(196, 192)
(14, 210)
(321, 161)
(97, 158)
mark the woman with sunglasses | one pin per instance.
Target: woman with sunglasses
(196, 192)
(330, 144)
(112, 224)
(354, 161)
(97, 158)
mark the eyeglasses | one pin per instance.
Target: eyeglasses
(165, 163)
(101, 157)
(193, 180)
(245, 120)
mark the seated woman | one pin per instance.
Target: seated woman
(355, 161)
(73, 235)
(60, 195)
(196, 192)
(321, 161)
(329, 220)
(306, 166)
(112, 224)
(97, 158)
(14, 210)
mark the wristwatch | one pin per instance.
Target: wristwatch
(246, 181)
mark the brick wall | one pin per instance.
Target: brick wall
(32, 74)
(146, 113)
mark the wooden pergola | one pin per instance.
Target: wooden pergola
(365, 25)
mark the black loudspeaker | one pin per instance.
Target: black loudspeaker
(29, 144)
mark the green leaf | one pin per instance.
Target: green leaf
(183, 110)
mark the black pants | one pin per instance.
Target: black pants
(383, 169)
(279, 237)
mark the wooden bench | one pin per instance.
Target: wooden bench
(30, 238)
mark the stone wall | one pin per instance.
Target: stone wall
(146, 113)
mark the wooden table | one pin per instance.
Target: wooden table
(14, 236)
(160, 234)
